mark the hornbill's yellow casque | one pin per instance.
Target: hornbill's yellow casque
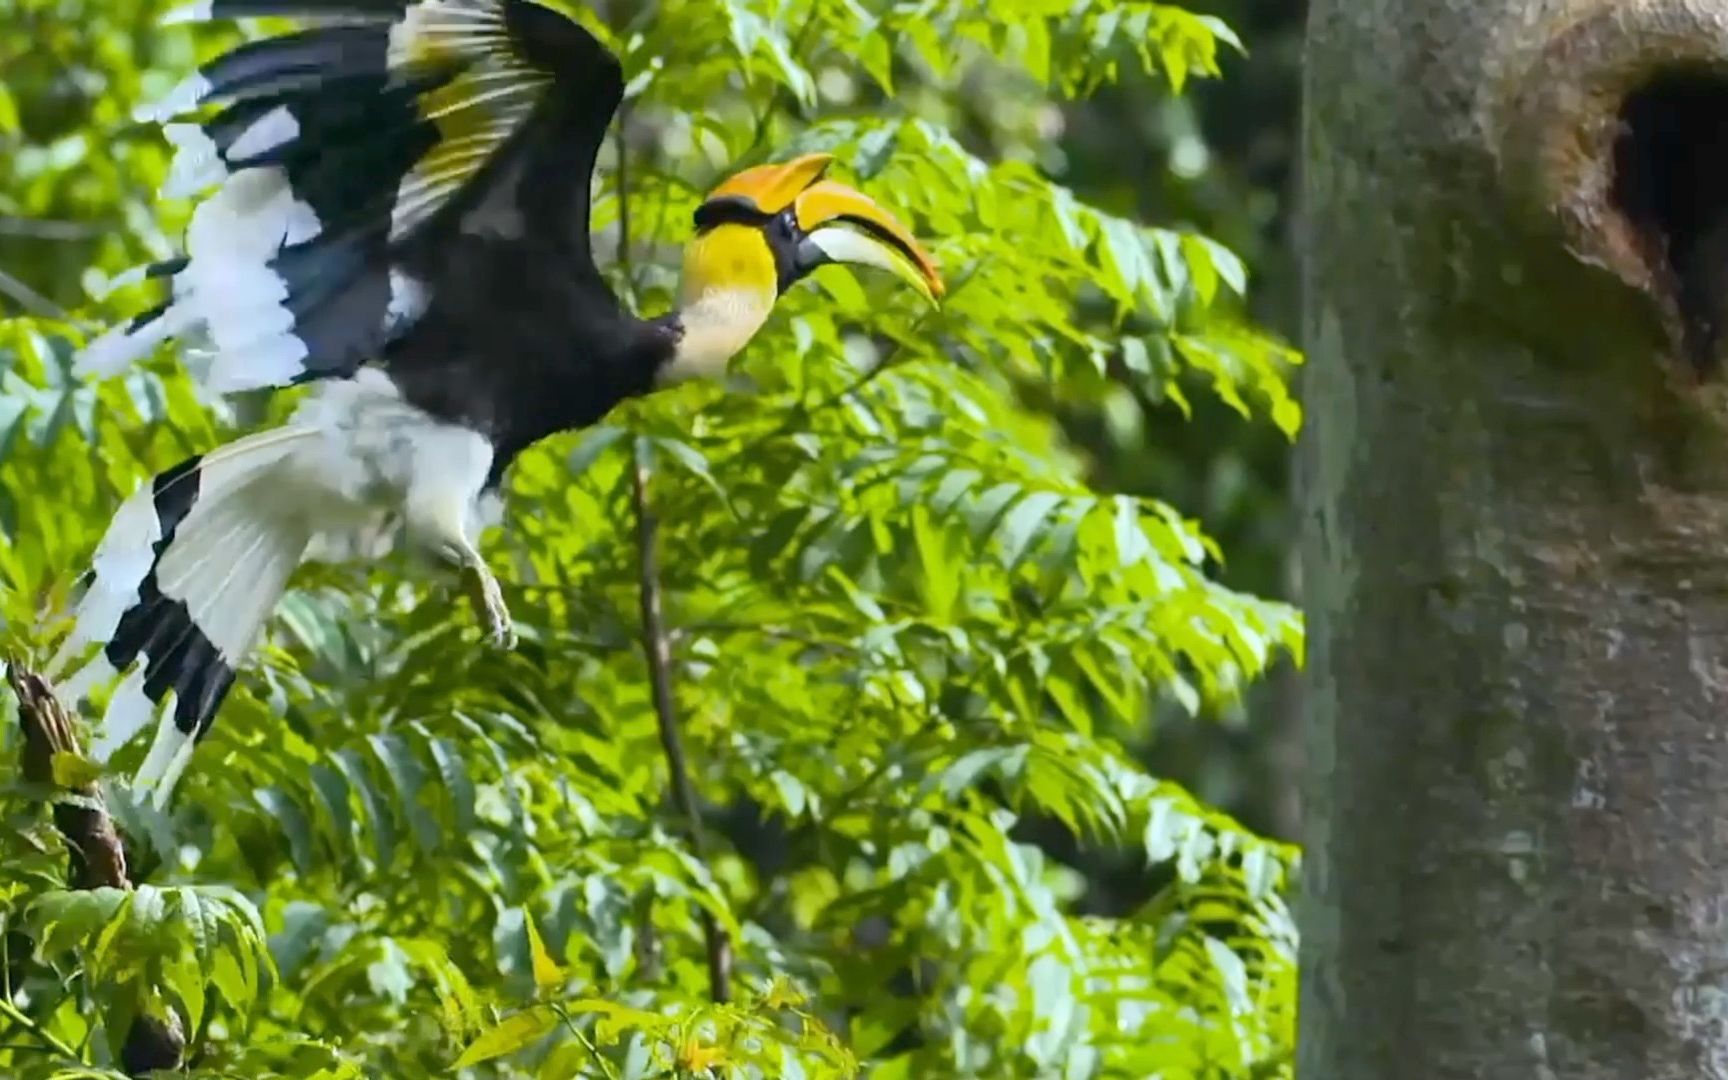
(396, 204)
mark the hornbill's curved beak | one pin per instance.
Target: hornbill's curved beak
(848, 226)
(813, 222)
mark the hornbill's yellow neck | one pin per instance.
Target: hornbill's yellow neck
(763, 231)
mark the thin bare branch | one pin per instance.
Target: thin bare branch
(48, 1039)
(42, 229)
(656, 646)
(625, 269)
(29, 299)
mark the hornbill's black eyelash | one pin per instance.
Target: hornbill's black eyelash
(730, 210)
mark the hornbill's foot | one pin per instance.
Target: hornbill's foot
(488, 602)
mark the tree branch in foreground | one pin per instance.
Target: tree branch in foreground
(656, 646)
(96, 856)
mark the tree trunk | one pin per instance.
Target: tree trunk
(1516, 540)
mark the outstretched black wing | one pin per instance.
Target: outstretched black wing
(331, 160)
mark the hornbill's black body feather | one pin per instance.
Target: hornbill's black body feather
(517, 353)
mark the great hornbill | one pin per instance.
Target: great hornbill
(396, 206)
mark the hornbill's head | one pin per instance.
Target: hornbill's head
(764, 230)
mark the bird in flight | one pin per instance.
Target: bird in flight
(393, 205)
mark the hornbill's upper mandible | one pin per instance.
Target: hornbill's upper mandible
(395, 203)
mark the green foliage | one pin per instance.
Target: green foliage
(909, 637)
(179, 942)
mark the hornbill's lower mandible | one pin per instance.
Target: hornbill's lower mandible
(396, 204)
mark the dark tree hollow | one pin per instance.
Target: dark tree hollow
(1671, 183)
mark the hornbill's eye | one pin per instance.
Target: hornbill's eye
(783, 231)
(794, 255)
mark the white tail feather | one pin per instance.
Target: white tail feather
(230, 583)
(128, 711)
(233, 543)
(124, 556)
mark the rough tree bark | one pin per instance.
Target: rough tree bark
(1516, 540)
(95, 852)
